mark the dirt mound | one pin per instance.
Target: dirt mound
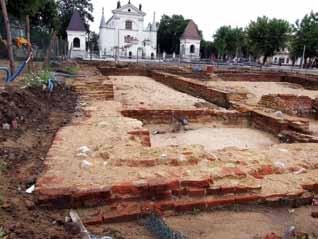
(34, 117)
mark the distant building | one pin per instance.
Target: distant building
(124, 35)
(76, 36)
(190, 42)
(282, 58)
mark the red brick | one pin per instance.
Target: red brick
(162, 185)
(200, 183)
(246, 198)
(190, 205)
(179, 192)
(165, 205)
(239, 173)
(266, 170)
(125, 188)
(220, 202)
(196, 192)
(310, 187)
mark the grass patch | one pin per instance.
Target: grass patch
(2, 233)
(72, 69)
(38, 79)
(3, 166)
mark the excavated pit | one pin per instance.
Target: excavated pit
(229, 152)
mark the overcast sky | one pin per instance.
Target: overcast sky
(209, 15)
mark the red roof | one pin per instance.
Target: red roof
(191, 31)
(76, 23)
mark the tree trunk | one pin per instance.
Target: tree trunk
(264, 59)
(28, 35)
(9, 38)
(49, 50)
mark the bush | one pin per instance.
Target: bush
(38, 79)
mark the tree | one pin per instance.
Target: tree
(229, 42)
(21, 8)
(66, 9)
(305, 35)
(8, 31)
(169, 33)
(207, 49)
(93, 42)
(266, 36)
(47, 16)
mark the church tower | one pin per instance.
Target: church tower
(76, 36)
(190, 42)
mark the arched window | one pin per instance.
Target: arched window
(128, 25)
(130, 54)
(192, 49)
(152, 56)
(76, 42)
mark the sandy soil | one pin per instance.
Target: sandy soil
(240, 223)
(257, 89)
(143, 91)
(213, 138)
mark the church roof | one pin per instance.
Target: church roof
(76, 23)
(129, 5)
(191, 32)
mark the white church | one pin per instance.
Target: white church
(124, 34)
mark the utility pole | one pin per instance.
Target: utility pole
(9, 38)
(303, 59)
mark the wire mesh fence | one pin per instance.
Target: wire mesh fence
(41, 39)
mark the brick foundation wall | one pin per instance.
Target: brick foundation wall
(197, 89)
(194, 116)
(274, 125)
(290, 104)
(117, 71)
(308, 82)
(245, 76)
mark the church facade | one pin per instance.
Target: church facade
(190, 42)
(124, 34)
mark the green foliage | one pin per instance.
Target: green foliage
(21, 8)
(72, 69)
(3, 166)
(266, 36)
(47, 16)
(196, 211)
(207, 49)
(305, 34)
(229, 41)
(169, 32)
(93, 41)
(66, 9)
(38, 79)
(2, 233)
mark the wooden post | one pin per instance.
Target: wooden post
(9, 38)
(28, 36)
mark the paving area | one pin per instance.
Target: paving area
(121, 156)
(212, 137)
(256, 90)
(138, 91)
